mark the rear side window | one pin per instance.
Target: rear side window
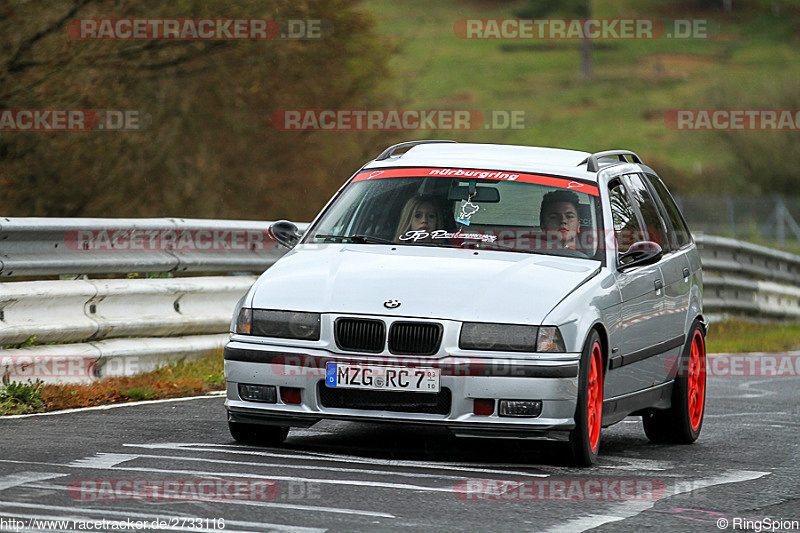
(654, 224)
(673, 213)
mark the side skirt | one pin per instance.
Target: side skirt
(617, 408)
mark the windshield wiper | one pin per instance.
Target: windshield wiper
(358, 238)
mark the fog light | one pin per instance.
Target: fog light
(520, 407)
(483, 407)
(291, 395)
(258, 393)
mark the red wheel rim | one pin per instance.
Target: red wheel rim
(697, 380)
(594, 396)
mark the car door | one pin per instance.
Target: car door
(670, 321)
(642, 298)
(682, 245)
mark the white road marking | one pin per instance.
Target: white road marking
(383, 473)
(256, 526)
(214, 394)
(102, 460)
(627, 510)
(635, 464)
(195, 473)
(259, 503)
(346, 482)
(306, 456)
(756, 392)
(308, 432)
(21, 478)
(706, 415)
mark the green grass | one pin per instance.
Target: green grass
(621, 108)
(178, 379)
(734, 336)
(140, 393)
(20, 397)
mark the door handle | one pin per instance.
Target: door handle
(685, 272)
(658, 284)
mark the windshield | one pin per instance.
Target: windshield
(485, 209)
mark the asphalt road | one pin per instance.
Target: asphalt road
(357, 477)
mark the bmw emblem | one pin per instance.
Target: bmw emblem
(391, 304)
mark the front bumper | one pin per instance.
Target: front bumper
(553, 380)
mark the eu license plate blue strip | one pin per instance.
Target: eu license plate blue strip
(330, 374)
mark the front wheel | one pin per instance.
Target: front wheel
(682, 422)
(584, 440)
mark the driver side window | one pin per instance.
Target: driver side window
(627, 228)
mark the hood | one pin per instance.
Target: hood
(429, 282)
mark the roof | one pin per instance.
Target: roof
(492, 157)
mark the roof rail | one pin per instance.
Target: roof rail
(592, 164)
(386, 154)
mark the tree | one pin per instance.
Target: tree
(564, 8)
(209, 149)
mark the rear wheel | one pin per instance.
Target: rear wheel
(258, 434)
(682, 422)
(584, 440)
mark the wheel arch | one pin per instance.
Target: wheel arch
(703, 320)
(601, 330)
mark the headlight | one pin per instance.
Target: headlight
(550, 340)
(510, 338)
(497, 337)
(286, 324)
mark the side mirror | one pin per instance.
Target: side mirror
(640, 253)
(285, 233)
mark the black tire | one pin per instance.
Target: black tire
(584, 440)
(258, 434)
(682, 422)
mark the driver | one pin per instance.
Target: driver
(559, 214)
(420, 214)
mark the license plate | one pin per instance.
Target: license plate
(388, 378)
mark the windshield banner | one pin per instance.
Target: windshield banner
(520, 177)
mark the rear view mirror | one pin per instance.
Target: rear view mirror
(285, 233)
(640, 253)
(482, 194)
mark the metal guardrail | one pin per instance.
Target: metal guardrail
(122, 326)
(58, 246)
(83, 310)
(741, 278)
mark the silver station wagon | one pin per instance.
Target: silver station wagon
(497, 291)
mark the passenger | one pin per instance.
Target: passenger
(559, 213)
(421, 214)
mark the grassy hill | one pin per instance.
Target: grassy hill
(635, 82)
